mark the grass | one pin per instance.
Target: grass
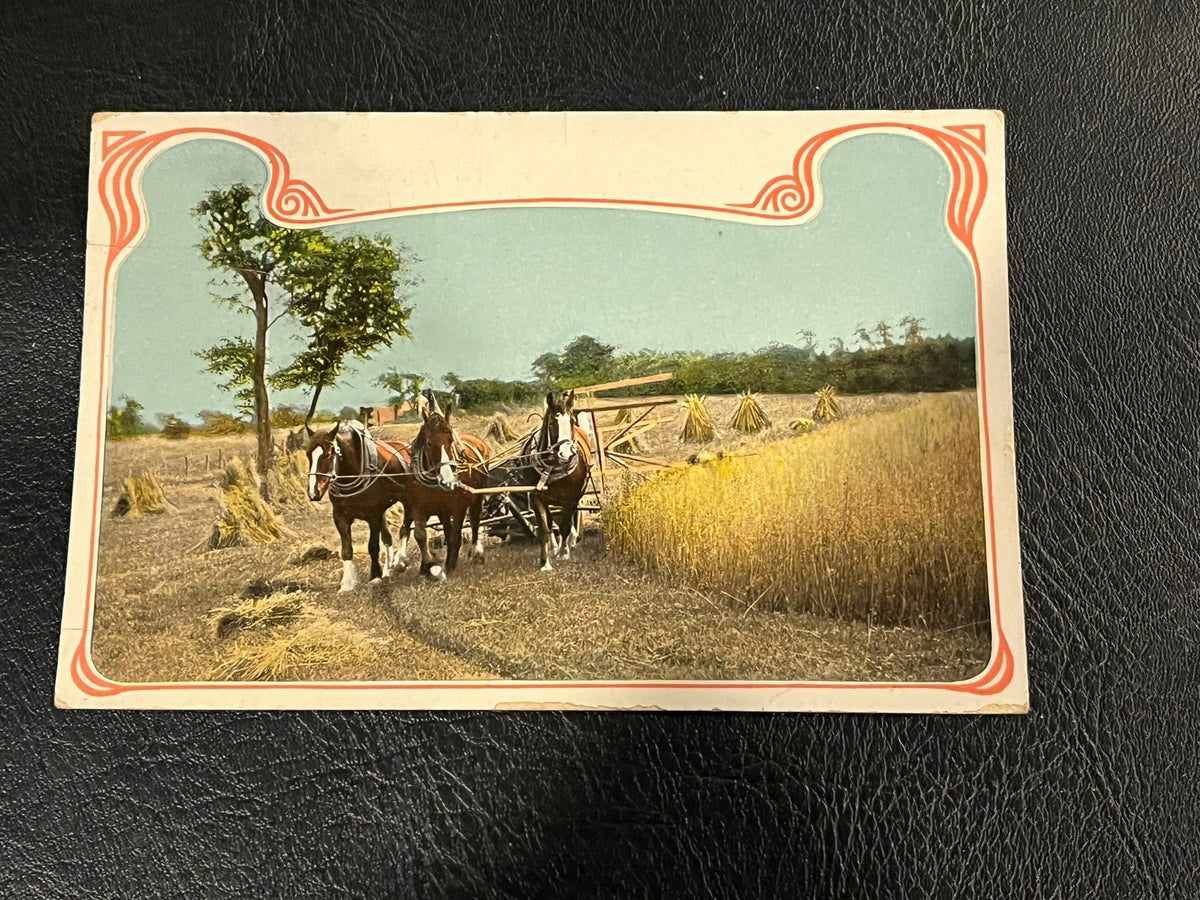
(595, 616)
(874, 519)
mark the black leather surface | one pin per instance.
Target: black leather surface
(1094, 793)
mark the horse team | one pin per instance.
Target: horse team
(440, 474)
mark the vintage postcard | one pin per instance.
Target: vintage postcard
(634, 411)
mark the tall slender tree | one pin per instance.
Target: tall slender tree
(349, 294)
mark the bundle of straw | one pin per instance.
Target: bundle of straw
(827, 406)
(800, 426)
(749, 417)
(262, 612)
(288, 479)
(697, 426)
(245, 517)
(500, 430)
(141, 494)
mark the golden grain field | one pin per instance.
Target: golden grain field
(877, 518)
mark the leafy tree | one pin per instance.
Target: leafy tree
(884, 330)
(126, 421)
(913, 329)
(348, 294)
(584, 356)
(405, 387)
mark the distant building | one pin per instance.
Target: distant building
(374, 416)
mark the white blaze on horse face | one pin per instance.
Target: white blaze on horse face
(445, 471)
(312, 473)
(566, 446)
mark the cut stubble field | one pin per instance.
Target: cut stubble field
(160, 596)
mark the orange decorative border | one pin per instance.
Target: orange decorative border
(291, 201)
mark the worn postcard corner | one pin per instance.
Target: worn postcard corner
(621, 411)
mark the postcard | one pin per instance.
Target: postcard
(626, 411)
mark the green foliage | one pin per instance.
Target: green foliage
(233, 359)
(126, 421)
(351, 296)
(217, 422)
(287, 416)
(880, 364)
(475, 393)
(173, 427)
(582, 357)
(405, 387)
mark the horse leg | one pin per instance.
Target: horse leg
(476, 539)
(453, 532)
(349, 575)
(373, 550)
(385, 536)
(566, 528)
(542, 511)
(399, 559)
(437, 573)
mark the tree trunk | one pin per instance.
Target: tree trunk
(262, 405)
(312, 407)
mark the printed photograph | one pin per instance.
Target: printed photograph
(544, 443)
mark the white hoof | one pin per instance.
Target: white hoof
(547, 567)
(349, 577)
(376, 581)
(564, 552)
(477, 553)
(438, 574)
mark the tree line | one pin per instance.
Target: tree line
(879, 363)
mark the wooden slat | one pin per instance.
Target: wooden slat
(631, 403)
(510, 489)
(624, 382)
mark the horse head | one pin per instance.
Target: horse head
(322, 453)
(558, 425)
(433, 451)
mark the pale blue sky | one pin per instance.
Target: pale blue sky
(502, 286)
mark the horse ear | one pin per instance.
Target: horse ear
(334, 430)
(425, 411)
(571, 400)
(308, 429)
(550, 400)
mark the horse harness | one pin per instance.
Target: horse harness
(545, 461)
(350, 485)
(458, 448)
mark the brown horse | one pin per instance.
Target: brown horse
(560, 459)
(443, 462)
(364, 477)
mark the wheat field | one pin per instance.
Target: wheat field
(878, 518)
